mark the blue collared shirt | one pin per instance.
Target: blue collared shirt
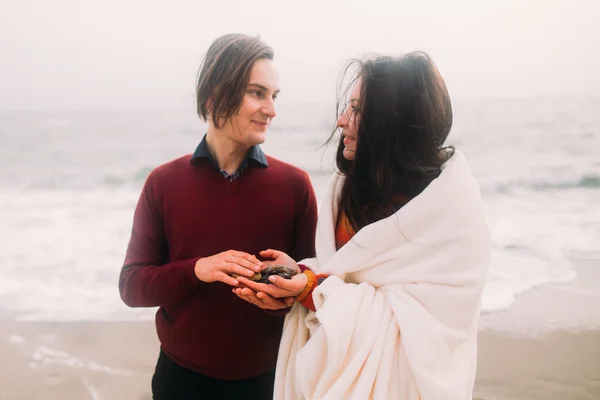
(255, 154)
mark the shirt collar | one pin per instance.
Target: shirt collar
(255, 154)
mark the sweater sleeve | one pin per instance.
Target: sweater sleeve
(146, 280)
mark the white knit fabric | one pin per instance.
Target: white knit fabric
(398, 317)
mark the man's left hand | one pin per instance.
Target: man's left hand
(263, 300)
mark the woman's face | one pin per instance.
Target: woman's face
(348, 122)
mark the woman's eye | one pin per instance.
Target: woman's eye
(256, 93)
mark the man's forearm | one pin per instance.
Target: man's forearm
(157, 285)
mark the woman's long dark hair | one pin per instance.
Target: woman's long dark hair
(404, 116)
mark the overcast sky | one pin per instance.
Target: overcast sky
(122, 54)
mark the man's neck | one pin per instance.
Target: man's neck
(228, 154)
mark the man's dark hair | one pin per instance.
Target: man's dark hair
(224, 74)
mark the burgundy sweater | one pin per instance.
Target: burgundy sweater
(186, 212)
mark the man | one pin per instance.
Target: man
(202, 218)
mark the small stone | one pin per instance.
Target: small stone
(275, 269)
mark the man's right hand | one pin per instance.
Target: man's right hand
(220, 266)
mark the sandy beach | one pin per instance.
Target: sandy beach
(77, 360)
(115, 360)
(547, 345)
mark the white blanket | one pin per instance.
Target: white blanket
(398, 317)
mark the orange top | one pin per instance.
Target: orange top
(343, 231)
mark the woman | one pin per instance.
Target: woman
(389, 308)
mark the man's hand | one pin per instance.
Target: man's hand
(263, 300)
(220, 266)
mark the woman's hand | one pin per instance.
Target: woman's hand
(279, 287)
(279, 257)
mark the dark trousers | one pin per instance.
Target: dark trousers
(171, 381)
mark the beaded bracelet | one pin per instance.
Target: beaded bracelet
(312, 280)
(308, 302)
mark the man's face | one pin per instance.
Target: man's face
(249, 125)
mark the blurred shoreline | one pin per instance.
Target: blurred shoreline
(69, 193)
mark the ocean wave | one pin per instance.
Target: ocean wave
(586, 181)
(142, 174)
(589, 181)
(135, 177)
